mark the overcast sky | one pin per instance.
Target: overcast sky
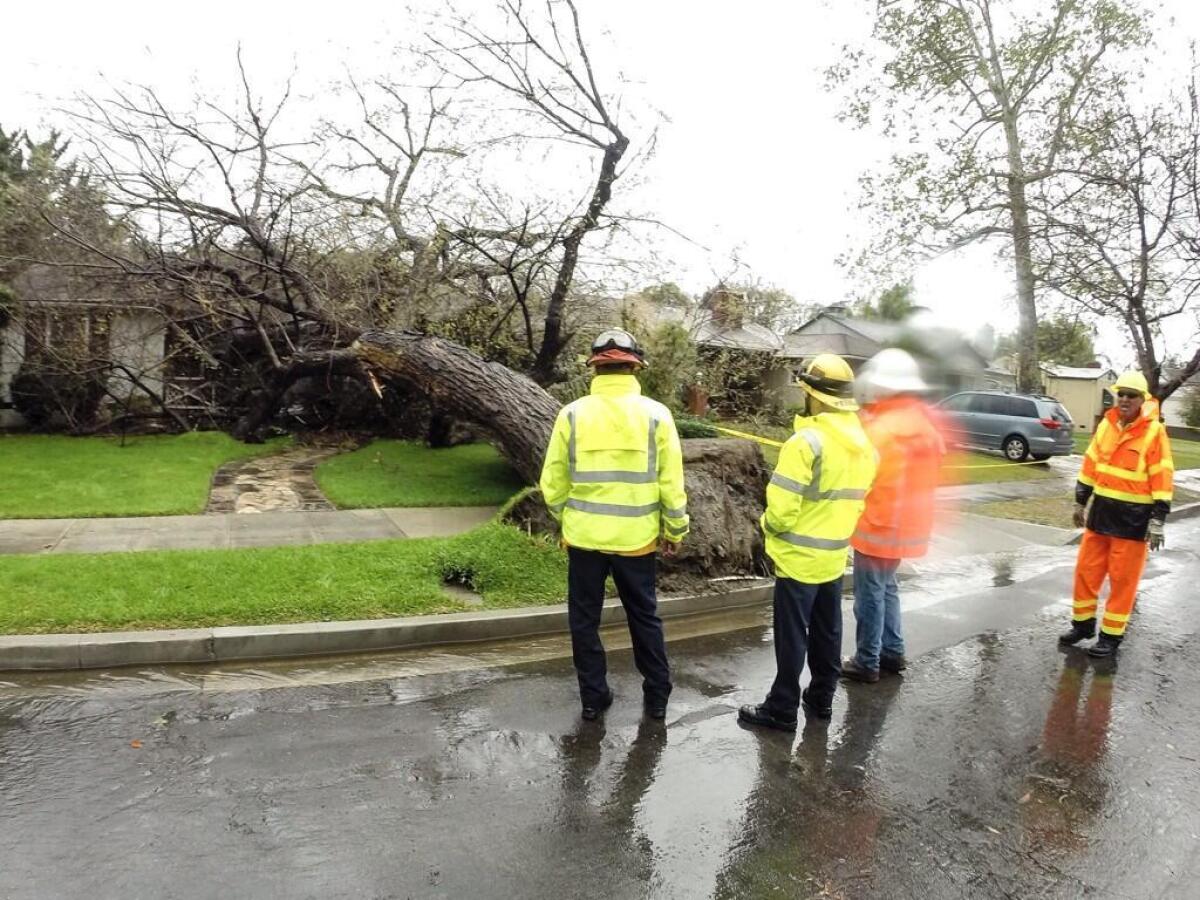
(751, 163)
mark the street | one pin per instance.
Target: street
(999, 766)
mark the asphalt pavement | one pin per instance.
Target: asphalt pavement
(999, 766)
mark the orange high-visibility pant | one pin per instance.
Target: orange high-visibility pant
(1122, 561)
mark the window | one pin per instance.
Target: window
(1019, 406)
(958, 403)
(991, 404)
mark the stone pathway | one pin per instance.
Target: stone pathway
(279, 483)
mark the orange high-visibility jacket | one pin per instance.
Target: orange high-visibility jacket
(1131, 473)
(898, 518)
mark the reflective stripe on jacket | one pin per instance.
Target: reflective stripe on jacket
(898, 518)
(613, 473)
(816, 495)
(1130, 472)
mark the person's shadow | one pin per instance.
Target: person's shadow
(598, 804)
(1067, 789)
(812, 807)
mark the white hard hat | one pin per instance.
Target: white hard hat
(889, 372)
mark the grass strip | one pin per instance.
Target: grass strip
(59, 477)
(326, 582)
(403, 473)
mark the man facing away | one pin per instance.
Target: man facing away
(1128, 473)
(898, 518)
(814, 500)
(613, 477)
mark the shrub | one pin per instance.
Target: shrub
(1191, 409)
(690, 427)
(46, 399)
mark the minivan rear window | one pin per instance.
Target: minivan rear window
(1059, 412)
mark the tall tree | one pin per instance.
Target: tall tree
(1062, 339)
(991, 92)
(894, 304)
(1121, 234)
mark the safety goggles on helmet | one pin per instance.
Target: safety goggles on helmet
(616, 339)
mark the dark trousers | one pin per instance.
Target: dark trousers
(808, 622)
(634, 578)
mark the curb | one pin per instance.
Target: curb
(241, 643)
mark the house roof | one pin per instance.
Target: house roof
(803, 346)
(1080, 373)
(748, 336)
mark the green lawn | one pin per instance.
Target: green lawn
(1186, 453)
(195, 588)
(53, 476)
(402, 473)
(1055, 510)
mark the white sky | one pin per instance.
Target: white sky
(751, 163)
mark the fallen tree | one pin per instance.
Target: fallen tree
(726, 479)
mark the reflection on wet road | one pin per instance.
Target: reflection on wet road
(999, 767)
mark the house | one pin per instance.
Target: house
(59, 323)
(1081, 390)
(951, 363)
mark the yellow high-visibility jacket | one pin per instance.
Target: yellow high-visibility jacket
(613, 473)
(816, 495)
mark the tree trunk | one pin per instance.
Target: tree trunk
(1029, 377)
(554, 339)
(516, 413)
(726, 479)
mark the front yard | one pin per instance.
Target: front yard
(57, 477)
(1186, 453)
(1054, 510)
(196, 588)
(403, 473)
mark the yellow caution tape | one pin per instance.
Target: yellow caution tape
(751, 437)
(1028, 462)
(773, 443)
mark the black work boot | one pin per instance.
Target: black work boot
(591, 713)
(1080, 631)
(812, 711)
(765, 718)
(1106, 647)
(891, 662)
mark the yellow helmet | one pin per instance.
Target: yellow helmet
(1133, 380)
(830, 379)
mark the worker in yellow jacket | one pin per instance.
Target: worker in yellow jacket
(814, 501)
(1128, 474)
(613, 477)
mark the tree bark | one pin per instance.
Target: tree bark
(516, 413)
(726, 479)
(554, 339)
(1028, 373)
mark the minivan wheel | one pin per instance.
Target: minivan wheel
(1015, 447)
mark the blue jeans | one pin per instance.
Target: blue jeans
(876, 609)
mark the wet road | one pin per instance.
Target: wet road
(999, 767)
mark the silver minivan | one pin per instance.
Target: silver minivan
(1018, 425)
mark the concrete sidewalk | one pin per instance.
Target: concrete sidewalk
(235, 531)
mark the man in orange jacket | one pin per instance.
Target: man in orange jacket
(1128, 474)
(898, 518)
